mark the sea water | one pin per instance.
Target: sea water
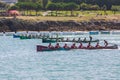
(19, 60)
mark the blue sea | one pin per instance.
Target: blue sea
(19, 60)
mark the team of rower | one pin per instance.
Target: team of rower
(73, 46)
(79, 39)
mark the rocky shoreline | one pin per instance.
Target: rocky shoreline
(25, 25)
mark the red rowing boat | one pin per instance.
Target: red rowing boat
(45, 48)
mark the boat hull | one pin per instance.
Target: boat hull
(45, 48)
(24, 37)
(16, 36)
(94, 33)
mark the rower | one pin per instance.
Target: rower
(47, 36)
(79, 39)
(73, 46)
(66, 46)
(89, 45)
(73, 40)
(84, 39)
(81, 45)
(57, 39)
(62, 39)
(57, 45)
(97, 45)
(50, 46)
(67, 39)
(105, 43)
(90, 38)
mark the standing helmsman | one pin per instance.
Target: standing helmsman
(105, 43)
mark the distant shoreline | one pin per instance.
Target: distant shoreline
(35, 24)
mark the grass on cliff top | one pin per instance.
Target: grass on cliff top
(63, 13)
(82, 16)
(78, 19)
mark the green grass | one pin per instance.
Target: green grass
(81, 16)
(68, 13)
(85, 12)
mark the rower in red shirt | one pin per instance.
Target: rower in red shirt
(74, 46)
(97, 45)
(81, 45)
(50, 46)
(57, 45)
(89, 45)
(66, 46)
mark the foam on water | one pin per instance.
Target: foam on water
(20, 61)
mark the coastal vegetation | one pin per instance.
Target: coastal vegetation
(64, 7)
(101, 3)
(66, 15)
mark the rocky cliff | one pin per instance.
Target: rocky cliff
(25, 25)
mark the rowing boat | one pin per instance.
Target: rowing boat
(24, 37)
(16, 36)
(31, 37)
(60, 40)
(105, 32)
(45, 48)
(38, 37)
(93, 33)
